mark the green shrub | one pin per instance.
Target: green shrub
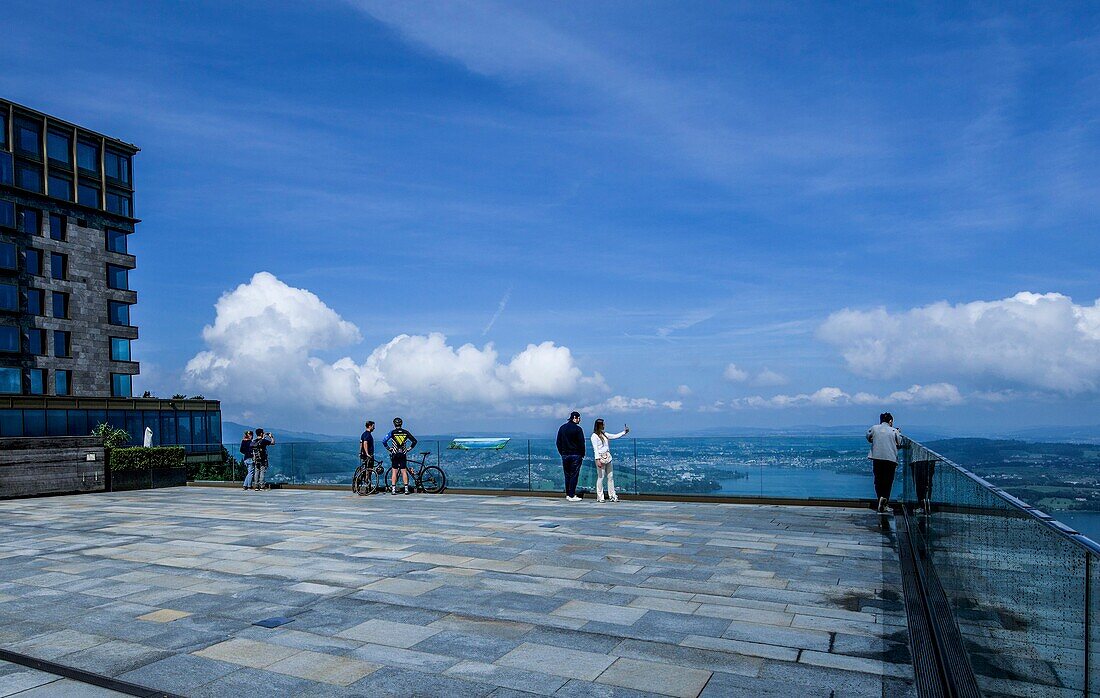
(112, 437)
(144, 459)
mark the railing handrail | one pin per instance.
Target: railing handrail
(1069, 533)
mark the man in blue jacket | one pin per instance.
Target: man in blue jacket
(571, 448)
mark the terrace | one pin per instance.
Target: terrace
(450, 595)
(205, 591)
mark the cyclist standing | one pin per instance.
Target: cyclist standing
(399, 443)
(366, 444)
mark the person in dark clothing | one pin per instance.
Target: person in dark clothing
(366, 444)
(399, 443)
(246, 458)
(572, 450)
(259, 455)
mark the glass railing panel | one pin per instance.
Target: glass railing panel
(786, 467)
(505, 468)
(1093, 611)
(546, 472)
(1017, 586)
(312, 462)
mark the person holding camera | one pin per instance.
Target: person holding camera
(601, 451)
(259, 456)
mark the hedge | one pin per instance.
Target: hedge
(143, 459)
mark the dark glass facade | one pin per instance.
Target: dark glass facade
(198, 431)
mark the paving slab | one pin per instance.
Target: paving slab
(574, 664)
(663, 679)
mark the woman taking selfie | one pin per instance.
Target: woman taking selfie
(601, 451)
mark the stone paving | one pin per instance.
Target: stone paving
(451, 595)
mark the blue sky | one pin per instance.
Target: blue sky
(661, 190)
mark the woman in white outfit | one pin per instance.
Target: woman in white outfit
(601, 451)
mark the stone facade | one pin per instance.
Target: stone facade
(86, 284)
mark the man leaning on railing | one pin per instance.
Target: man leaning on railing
(885, 440)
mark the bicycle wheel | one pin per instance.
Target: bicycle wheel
(432, 480)
(359, 480)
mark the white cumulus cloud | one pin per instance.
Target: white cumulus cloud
(936, 394)
(734, 374)
(1030, 340)
(768, 378)
(263, 347)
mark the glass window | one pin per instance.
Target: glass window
(117, 277)
(87, 156)
(3, 130)
(34, 422)
(32, 261)
(118, 313)
(57, 226)
(59, 265)
(198, 421)
(36, 342)
(119, 203)
(11, 421)
(7, 214)
(134, 427)
(29, 176)
(7, 168)
(116, 240)
(120, 349)
(60, 305)
(59, 147)
(117, 166)
(28, 137)
(168, 429)
(120, 385)
(9, 338)
(77, 419)
(9, 296)
(88, 195)
(216, 427)
(62, 343)
(9, 259)
(183, 429)
(55, 420)
(62, 384)
(10, 381)
(96, 417)
(36, 301)
(36, 381)
(30, 220)
(61, 187)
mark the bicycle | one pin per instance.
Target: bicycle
(429, 479)
(368, 479)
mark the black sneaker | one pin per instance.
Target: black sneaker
(393, 490)
(406, 489)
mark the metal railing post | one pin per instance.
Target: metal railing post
(1088, 620)
(636, 490)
